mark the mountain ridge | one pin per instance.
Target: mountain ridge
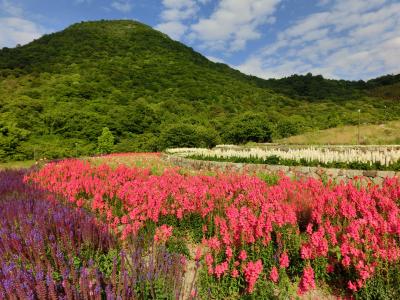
(63, 88)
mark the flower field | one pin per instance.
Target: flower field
(377, 158)
(52, 250)
(246, 238)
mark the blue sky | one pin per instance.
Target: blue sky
(348, 39)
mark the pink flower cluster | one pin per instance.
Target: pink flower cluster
(350, 226)
(251, 272)
(307, 281)
(163, 233)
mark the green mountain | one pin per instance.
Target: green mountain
(59, 92)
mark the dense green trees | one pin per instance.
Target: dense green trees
(291, 126)
(152, 92)
(187, 135)
(249, 127)
(10, 139)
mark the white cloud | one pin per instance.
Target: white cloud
(233, 23)
(174, 29)
(15, 31)
(324, 2)
(174, 15)
(15, 27)
(352, 39)
(124, 6)
(9, 8)
(216, 59)
(178, 10)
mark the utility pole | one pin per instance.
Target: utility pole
(358, 128)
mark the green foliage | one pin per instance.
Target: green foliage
(105, 141)
(269, 178)
(147, 142)
(292, 126)
(187, 135)
(190, 226)
(10, 138)
(177, 245)
(249, 127)
(157, 289)
(224, 288)
(384, 285)
(64, 88)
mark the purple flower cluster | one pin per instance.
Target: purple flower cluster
(49, 250)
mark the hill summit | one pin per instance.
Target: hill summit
(57, 94)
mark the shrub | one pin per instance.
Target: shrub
(105, 141)
(248, 127)
(189, 136)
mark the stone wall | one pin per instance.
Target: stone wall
(298, 171)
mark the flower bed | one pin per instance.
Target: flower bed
(385, 159)
(49, 250)
(269, 241)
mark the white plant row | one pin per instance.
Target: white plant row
(386, 156)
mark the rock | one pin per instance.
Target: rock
(370, 173)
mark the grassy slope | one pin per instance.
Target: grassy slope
(383, 134)
(17, 164)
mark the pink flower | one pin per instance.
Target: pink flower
(284, 260)
(330, 268)
(229, 253)
(307, 280)
(214, 243)
(79, 203)
(198, 254)
(235, 273)
(243, 255)
(346, 261)
(274, 275)
(163, 233)
(251, 272)
(124, 220)
(221, 269)
(352, 286)
(306, 252)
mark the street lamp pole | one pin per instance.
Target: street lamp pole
(358, 127)
(386, 114)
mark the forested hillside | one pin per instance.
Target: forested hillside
(59, 92)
